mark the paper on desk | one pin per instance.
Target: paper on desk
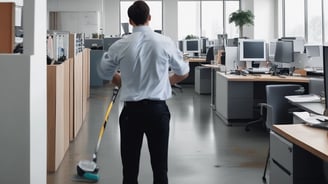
(309, 118)
(304, 98)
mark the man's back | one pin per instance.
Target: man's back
(144, 59)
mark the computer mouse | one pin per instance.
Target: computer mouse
(244, 72)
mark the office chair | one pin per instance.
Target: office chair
(278, 108)
(316, 86)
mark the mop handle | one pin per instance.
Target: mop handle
(102, 129)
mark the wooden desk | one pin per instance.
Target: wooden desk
(265, 78)
(238, 95)
(297, 154)
(314, 140)
(197, 59)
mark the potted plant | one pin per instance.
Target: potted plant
(241, 18)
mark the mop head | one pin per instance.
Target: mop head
(87, 171)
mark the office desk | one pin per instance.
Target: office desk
(312, 107)
(214, 69)
(297, 153)
(237, 95)
(193, 63)
(197, 59)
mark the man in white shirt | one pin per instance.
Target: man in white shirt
(143, 59)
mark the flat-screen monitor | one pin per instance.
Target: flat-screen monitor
(252, 50)
(192, 47)
(325, 73)
(284, 52)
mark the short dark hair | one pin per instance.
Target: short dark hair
(138, 12)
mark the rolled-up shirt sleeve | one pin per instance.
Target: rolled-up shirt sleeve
(107, 66)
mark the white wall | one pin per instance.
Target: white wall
(23, 110)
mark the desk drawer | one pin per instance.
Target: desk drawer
(281, 152)
(279, 176)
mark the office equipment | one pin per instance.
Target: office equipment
(203, 45)
(284, 52)
(304, 98)
(191, 47)
(125, 27)
(297, 154)
(325, 68)
(245, 92)
(260, 70)
(222, 40)
(209, 55)
(298, 43)
(278, 108)
(252, 51)
(231, 58)
(202, 80)
(316, 86)
(94, 44)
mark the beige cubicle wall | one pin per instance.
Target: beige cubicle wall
(57, 113)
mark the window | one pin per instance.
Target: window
(188, 19)
(206, 18)
(314, 19)
(294, 20)
(155, 12)
(231, 29)
(212, 19)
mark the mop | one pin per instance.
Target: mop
(87, 170)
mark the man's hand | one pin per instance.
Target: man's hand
(117, 79)
(177, 78)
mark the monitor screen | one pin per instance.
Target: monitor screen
(284, 52)
(252, 50)
(192, 45)
(325, 72)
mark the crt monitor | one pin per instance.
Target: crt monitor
(192, 46)
(252, 50)
(284, 52)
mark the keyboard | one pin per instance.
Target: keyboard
(258, 70)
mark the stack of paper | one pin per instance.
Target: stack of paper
(304, 98)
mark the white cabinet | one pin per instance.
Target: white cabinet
(290, 164)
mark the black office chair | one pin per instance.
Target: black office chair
(278, 109)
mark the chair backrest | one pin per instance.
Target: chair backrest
(278, 105)
(316, 86)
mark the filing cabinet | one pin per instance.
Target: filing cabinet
(290, 164)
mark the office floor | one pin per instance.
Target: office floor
(202, 148)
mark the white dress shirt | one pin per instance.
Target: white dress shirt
(144, 59)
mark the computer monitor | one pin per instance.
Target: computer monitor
(284, 52)
(252, 50)
(325, 73)
(192, 47)
(210, 55)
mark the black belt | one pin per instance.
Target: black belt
(144, 102)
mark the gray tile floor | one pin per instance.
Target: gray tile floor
(203, 150)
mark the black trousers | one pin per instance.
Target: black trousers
(150, 118)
